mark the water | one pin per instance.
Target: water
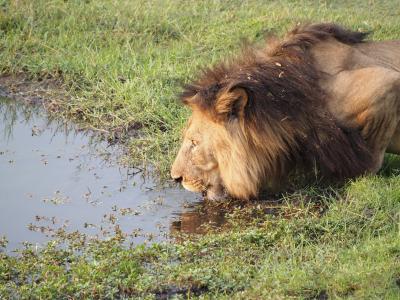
(54, 177)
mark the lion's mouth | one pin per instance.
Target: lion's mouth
(195, 186)
(211, 192)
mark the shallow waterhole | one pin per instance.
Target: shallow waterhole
(55, 178)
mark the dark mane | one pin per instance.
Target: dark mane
(286, 105)
(301, 37)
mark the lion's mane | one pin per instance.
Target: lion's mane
(286, 125)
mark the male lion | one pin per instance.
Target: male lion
(321, 99)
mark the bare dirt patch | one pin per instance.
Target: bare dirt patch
(44, 91)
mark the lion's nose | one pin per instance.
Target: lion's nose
(176, 175)
(178, 179)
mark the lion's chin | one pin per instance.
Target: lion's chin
(213, 193)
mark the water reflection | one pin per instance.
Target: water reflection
(199, 220)
(11, 112)
(208, 216)
(55, 179)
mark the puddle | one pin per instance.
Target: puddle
(55, 178)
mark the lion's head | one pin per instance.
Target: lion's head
(203, 163)
(258, 118)
(196, 165)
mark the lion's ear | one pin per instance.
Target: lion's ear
(231, 104)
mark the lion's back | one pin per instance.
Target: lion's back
(384, 53)
(332, 56)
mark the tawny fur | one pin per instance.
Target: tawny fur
(321, 99)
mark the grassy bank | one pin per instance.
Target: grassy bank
(121, 64)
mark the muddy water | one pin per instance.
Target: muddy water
(54, 178)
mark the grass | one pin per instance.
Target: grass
(121, 63)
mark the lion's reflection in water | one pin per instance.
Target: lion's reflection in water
(212, 216)
(199, 221)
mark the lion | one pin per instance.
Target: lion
(322, 100)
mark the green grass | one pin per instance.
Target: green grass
(121, 64)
